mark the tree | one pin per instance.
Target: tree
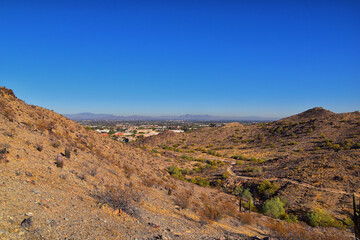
(267, 189)
(274, 207)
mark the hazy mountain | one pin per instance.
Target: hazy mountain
(187, 117)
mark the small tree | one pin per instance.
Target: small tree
(274, 207)
(246, 194)
(267, 189)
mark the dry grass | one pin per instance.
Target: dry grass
(294, 231)
(183, 199)
(210, 210)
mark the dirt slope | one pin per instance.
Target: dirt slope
(105, 190)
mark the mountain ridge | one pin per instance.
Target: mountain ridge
(185, 117)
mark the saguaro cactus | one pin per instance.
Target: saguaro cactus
(356, 219)
(59, 161)
(67, 152)
(240, 204)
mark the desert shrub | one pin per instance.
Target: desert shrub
(226, 175)
(175, 172)
(183, 199)
(239, 162)
(274, 207)
(200, 181)
(237, 190)
(252, 159)
(6, 111)
(290, 218)
(245, 218)
(189, 158)
(128, 170)
(267, 189)
(247, 196)
(93, 171)
(256, 170)
(319, 217)
(121, 199)
(239, 157)
(348, 222)
(152, 181)
(210, 210)
(39, 148)
(336, 147)
(293, 143)
(155, 151)
(55, 144)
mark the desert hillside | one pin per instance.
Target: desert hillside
(61, 181)
(313, 158)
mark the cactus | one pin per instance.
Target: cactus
(39, 148)
(67, 152)
(240, 204)
(59, 162)
(356, 219)
(250, 203)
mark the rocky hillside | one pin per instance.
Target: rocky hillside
(60, 181)
(104, 190)
(314, 158)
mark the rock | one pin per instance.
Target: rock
(154, 225)
(35, 191)
(29, 214)
(26, 223)
(29, 174)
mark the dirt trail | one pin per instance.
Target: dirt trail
(229, 169)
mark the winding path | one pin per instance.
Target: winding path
(229, 169)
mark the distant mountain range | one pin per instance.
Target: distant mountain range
(187, 117)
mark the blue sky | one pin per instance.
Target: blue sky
(233, 58)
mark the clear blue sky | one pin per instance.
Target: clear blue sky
(238, 58)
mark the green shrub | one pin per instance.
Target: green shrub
(246, 194)
(239, 162)
(256, 170)
(226, 175)
(274, 207)
(319, 217)
(290, 218)
(189, 158)
(237, 190)
(238, 157)
(175, 172)
(200, 181)
(267, 189)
